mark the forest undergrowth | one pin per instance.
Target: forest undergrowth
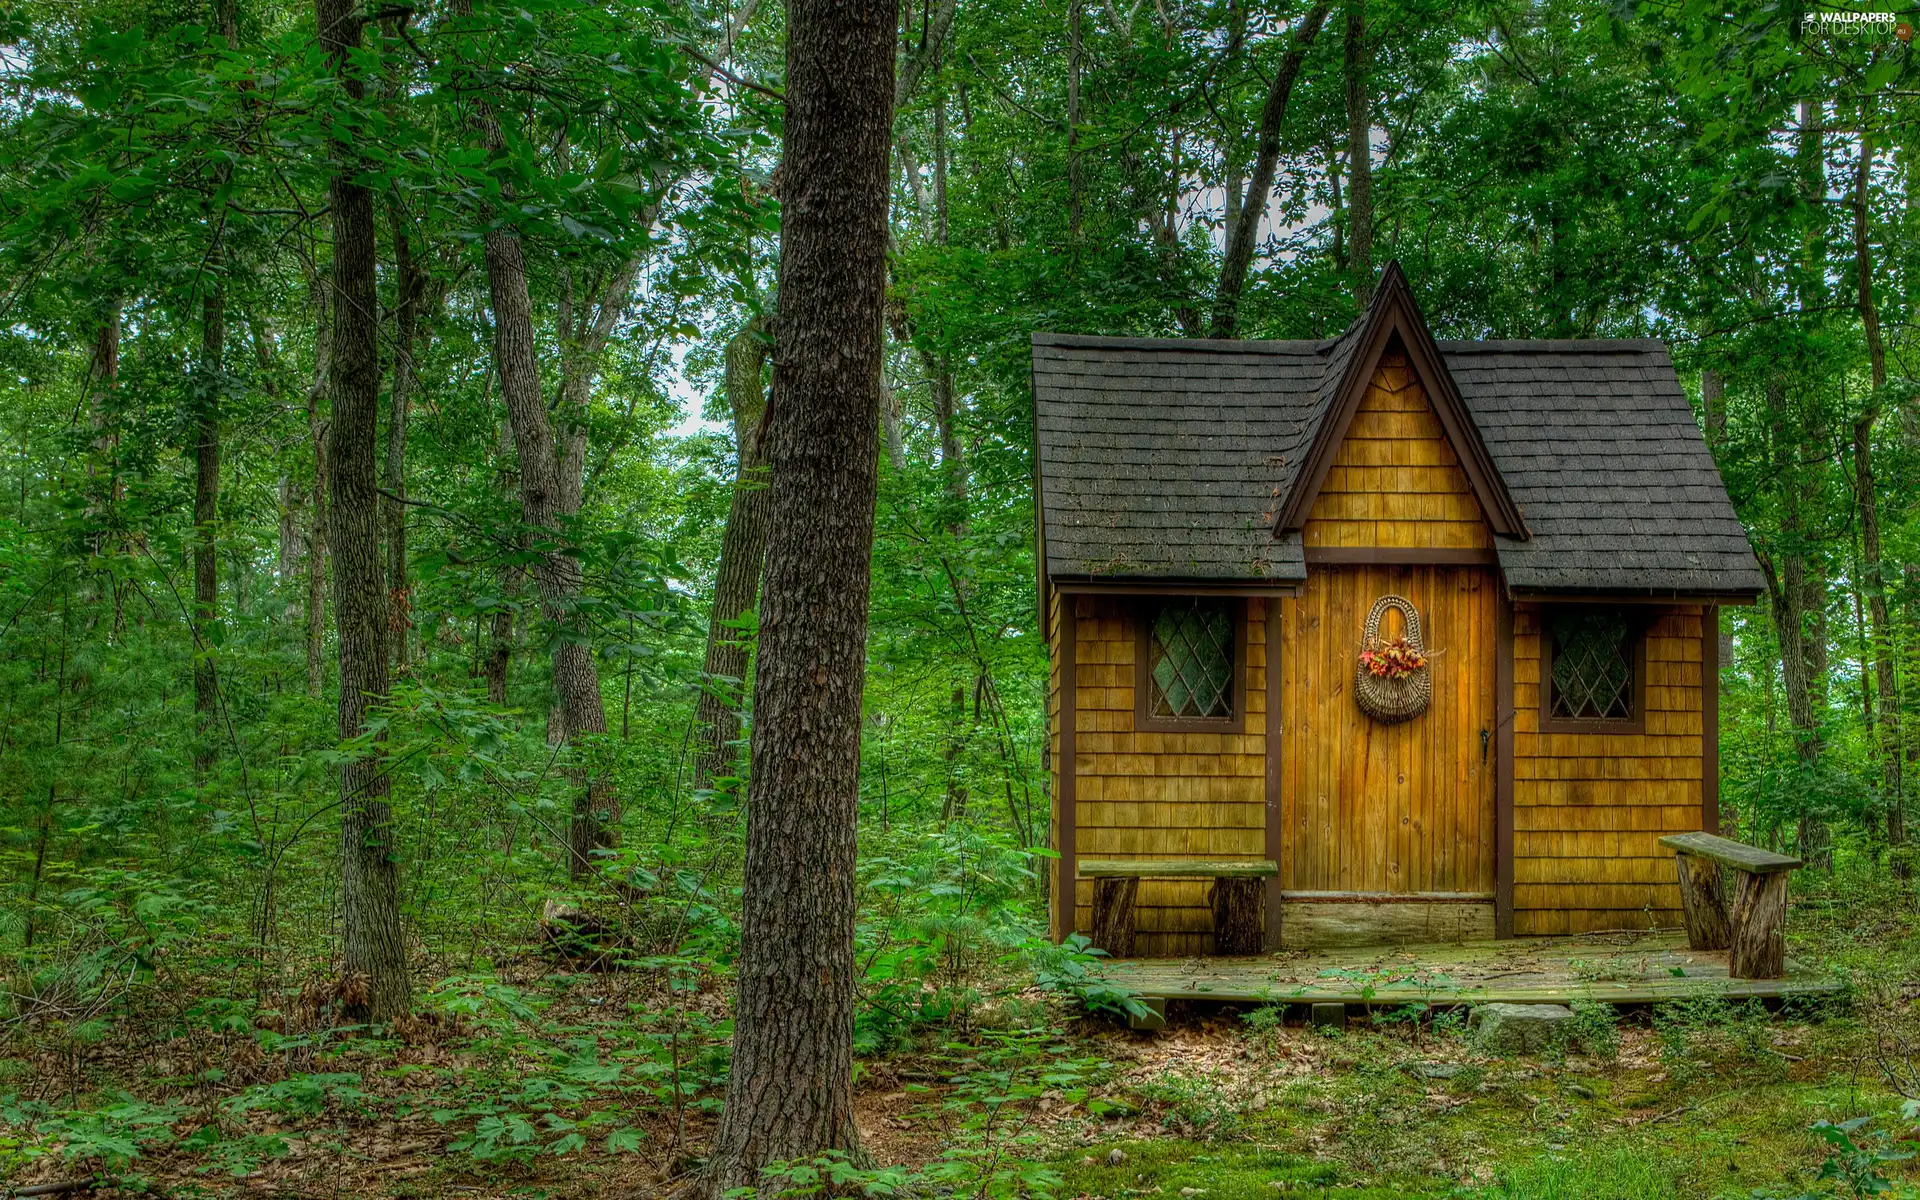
(569, 1061)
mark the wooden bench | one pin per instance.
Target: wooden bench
(1754, 929)
(1235, 897)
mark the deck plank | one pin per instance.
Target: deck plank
(1625, 968)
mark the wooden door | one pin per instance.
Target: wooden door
(1383, 812)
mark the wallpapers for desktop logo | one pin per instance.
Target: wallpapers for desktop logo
(1853, 23)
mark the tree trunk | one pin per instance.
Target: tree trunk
(1703, 901)
(743, 549)
(500, 626)
(544, 498)
(1817, 644)
(894, 421)
(790, 1090)
(103, 376)
(316, 624)
(1113, 905)
(375, 978)
(1759, 920)
(1359, 156)
(1074, 21)
(206, 499)
(409, 291)
(557, 575)
(1237, 907)
(206, 458)
(1868, 502)
(1713, 399)
(940, 169)
(286, 557)
(1273, 116)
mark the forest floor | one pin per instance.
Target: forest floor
(532, 1083)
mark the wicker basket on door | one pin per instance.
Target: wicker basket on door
(1391, 699)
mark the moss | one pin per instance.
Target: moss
(1230, 1172)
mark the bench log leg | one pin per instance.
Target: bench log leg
(1237, 908)
(1704, 900)
(1113, 915)
(1759, 927)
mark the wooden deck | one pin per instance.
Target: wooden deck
(1618, 968)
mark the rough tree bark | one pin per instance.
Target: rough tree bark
(1867, 501)
(1359, 155)
(1273, 116)
(790, 1092)
(375, 980)
(743, 548)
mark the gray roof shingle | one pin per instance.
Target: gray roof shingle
(1171, 458)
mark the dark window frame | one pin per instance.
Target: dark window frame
(1143, 719)
(1634, 723)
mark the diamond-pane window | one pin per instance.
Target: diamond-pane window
(1592, 667)
(1190, 661)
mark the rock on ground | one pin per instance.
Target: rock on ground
(1502, 1029)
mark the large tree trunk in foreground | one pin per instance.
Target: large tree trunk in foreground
(375, 985)
(1273, 117)
(206, 499)
(790, 1091)
(743, 550)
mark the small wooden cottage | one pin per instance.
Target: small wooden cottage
(1218, 522)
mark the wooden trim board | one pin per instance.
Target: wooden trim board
(1332, 924)
(1710, 719)
(1731, 600)
(1396, 556)
(1293, 897)
(1178, 587)
(1182, 868)
(1275, 829)
(1068, 800)
(1504, 712)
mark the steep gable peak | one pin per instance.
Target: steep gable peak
(1393, 323)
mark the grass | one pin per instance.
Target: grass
(1228, 1172)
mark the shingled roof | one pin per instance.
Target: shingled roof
(1163, 459)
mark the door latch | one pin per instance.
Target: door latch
(1485, 737)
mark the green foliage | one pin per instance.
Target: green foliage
(1595, 1030)
(1858, 1158)
(1072, 967)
